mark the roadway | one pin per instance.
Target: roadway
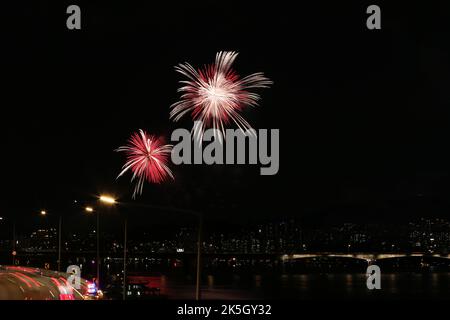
(23, 283)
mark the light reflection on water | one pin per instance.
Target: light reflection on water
(312, 286)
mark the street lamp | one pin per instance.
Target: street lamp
(44, 213)
(108, 200)
(111, 201)
(97, 231)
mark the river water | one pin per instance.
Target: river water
(309, 286)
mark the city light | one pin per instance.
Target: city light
(107, 199)
(43, 212)
(89, 209)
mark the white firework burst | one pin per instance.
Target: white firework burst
(215, 95)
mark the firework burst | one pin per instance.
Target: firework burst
(147, 159)
(216, 95)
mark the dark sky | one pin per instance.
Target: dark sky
(363, 115)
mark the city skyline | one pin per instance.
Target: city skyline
(282, 236)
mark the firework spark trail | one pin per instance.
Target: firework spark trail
(147, 158)
(216, 95)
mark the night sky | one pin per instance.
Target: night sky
(363, 115)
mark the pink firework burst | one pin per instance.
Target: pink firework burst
(147, 157)
(216, 95)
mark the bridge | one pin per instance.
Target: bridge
(369, 257)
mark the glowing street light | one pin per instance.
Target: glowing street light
(107, 199)
(111, 201)
(44, 213)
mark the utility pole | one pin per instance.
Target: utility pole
(59, 243)
(199, 256)
(125, 260)
(98, 249)
(14, 244)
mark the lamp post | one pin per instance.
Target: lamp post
(97, 231)
(124, 293)
(199, 257)
(44, 213)
(108, 200)
(14, 244)
(59, 241)
(111, 201)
